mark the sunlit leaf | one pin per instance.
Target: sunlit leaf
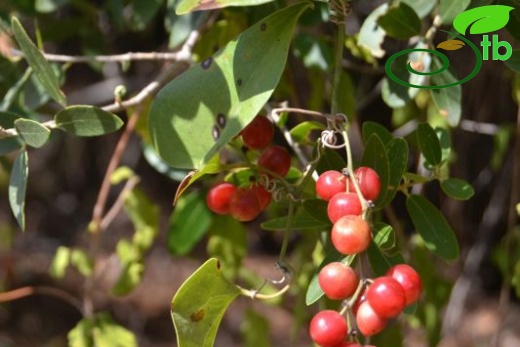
(199, 305)
(87, 121)
(222, 94)
(384, 235)
(60, 262)
(33, 133)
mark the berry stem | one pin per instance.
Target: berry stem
(287, 232)
(350, 173)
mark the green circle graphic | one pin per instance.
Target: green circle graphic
(444, 67)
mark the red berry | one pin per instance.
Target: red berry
(328, 328)
(368, 321)
(275, 159)
(219, 197)
(386, 297)
(351, 235)
(245, 204)
(330, 183)
(368, 182)
(409, 279)
(343, 204)
(259, 133)
(338, 281)
(263, 195)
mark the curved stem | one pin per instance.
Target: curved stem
(253, 294)
(41, 290)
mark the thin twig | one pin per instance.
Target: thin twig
(41, 290)
(118, 205)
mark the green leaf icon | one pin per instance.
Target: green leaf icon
(483, 19)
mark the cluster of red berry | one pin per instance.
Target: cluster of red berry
(371, 302)
(246, 203)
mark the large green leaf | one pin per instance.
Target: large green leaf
(370, 128)
(421, 7)
(218, 97)
(371, 34)
(199, 305)
(400, 21)
(482, 20)
(433, 227)
(397, 153)
(447, 100)
(186, 6)
(82, 120)
(33, 133)
(429, 144)
(450, 9)
(375, 157)
(189, 223)
(40, 66)
(18, 186)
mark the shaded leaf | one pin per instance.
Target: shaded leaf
(300, 221)
(189, 223)
(371, 34)
(40, 66)
(199, 305)
(82, 120)
(457, 188)
(375, 157)
(370, 128)
(9, 144)
(234, 84)
(330, 160)
(482, 20)
(433, 227)
(33, 133)
(514, 61)
(421, 7)
(429, 144)
(400, 21)
(397, 153)
(445, 142)
(186, 6)
(450, 9)
(451, 45)
(447, 100)
(18, 186)
(317, 209)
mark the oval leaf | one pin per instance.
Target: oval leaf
(370, 128)
(429, 144)
(447, 100)
(457, 188)
(433, 227)
(199, 305)
(186, 6)
(40, 66)
(18, 186)
(400, 21)
(371, 34)
(397, 153)
(87, 121)
(482, 20)
(33, 133)
(220, 96)
(384, 235)
(451, 45)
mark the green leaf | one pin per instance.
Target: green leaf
(370, 128)
(317, 209)
(433, 227)
(300, 221)
(106, 333)
(33, 133)
(450, 9)
(189, 223)
(199, 305)
(381, 262)
(421, 7)
(82, 262)
(60, 262)
(18, 186)
(330, 160)
(429, 144)
(40, 66)
(371, 34)
(300, 132)
(229, 87)
(186, 6)
(47, 6)
(314, 291)
(143, 12)
(445, 142)
(144, 216)
(400, 21)
(81, 334)
(513, 26)
(482, 20)
(10, 144)
(514, 61)
(131, 276)
(82, 120)
(397, 153)
(375, 157)
(457, 188)
(447, 100)
(384, 236)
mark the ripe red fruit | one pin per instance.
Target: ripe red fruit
(386, 297)
(263, 195)
(351, 235)
(330, 183)
(275, 159)
(245, 204)
(259, 133)
(343, 204)
(368, 182)
(219, 197)
(409, 279)
(338, 281)
(368, 321)
(328, 328)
